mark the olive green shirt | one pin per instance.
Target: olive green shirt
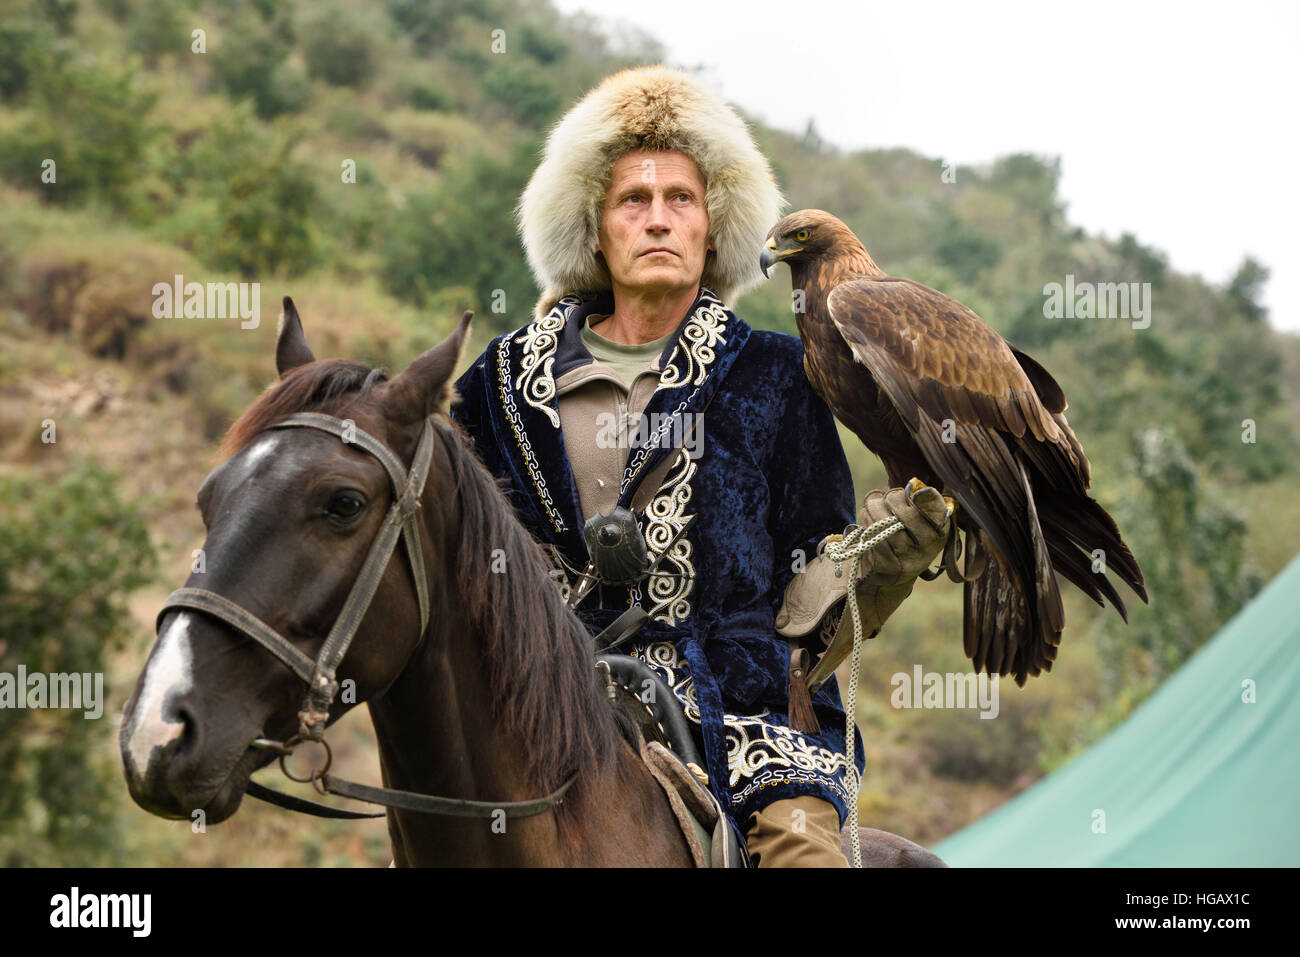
(627, 361)
(600, 406)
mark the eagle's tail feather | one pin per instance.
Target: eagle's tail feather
(1084, 525)
(1076, 567)
(1000, 632)
(1051, 611)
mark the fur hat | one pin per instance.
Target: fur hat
(652, 108)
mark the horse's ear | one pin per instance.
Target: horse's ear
(425, 386)
(291, 349)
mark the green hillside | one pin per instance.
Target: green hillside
(366, 158)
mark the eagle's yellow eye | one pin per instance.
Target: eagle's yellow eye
(802, 235)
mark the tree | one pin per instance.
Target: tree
(70, 552)
(341, 46)
(1246, 290)
(91, 120)
(254, 206)
(463, 235)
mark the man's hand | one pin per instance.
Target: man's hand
(926, 516)
(886, 573)
(889, 570)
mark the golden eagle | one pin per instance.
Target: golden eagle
(938, 395)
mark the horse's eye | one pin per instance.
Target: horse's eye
(346, 504)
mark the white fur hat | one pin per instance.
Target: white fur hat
(652, 108)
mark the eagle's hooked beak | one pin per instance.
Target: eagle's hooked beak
(770, 256)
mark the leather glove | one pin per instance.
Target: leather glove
(886, 573)
(901, 557)
(896, 561)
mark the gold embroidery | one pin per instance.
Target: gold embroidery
(760, 753)
(538, 343)
(700, 336)
(521, 437)
(702, 332)
(664, 519)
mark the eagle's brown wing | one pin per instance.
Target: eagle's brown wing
(941, 366)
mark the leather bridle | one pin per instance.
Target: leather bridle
(320, 674)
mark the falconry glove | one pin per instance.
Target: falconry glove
(886, 575)
(889, 569)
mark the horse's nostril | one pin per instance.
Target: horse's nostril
(187, 739)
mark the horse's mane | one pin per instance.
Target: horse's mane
(309, 386)
(536, 651)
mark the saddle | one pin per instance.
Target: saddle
(661, 735)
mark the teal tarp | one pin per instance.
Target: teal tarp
(1195, 777)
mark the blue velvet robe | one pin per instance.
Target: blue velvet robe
(771, 482)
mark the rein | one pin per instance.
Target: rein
(320, 674)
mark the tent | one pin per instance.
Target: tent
(1206, 772)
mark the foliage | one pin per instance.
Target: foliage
(90, 117)
(340, 45)
(250, 206)
(463, 235)
(517, 86)
(156, 30)
(252, 58)
(1246, 288)
(70, 552)
(1196, 566)
(964, 250)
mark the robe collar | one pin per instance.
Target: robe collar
(526, 363)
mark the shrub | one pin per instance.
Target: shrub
(254, 205)
(429, 136)
(91, 119)
(463, 235)
(341, 46)
(73, 551)
(252, 61)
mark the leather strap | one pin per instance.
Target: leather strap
(401, 519)
(406, 800)
(431, 804)
(408, 488)
(218, 606)
(303, 806)
(622, 628)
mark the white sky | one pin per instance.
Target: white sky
(1174, 121)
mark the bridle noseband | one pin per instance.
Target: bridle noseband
(320, 674)
(401, 520)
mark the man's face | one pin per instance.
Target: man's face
(654, 227)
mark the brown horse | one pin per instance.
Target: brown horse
(495, 700)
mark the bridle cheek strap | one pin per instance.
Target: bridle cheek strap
(322, 684)
(401, 520)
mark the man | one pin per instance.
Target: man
(636, 386)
